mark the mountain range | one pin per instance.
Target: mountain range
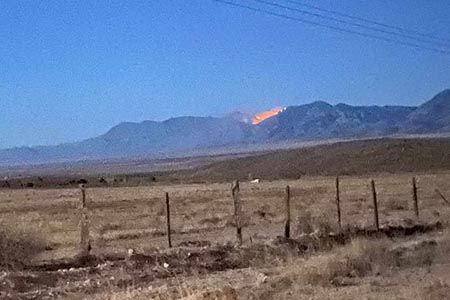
(309, 122)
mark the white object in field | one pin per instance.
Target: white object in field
(255, 181)
(131, 252)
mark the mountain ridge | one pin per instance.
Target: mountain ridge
(318, 120)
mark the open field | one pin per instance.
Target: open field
(202, 215)
(342, 158)
(349, 158)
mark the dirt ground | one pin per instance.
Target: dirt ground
(205, 255)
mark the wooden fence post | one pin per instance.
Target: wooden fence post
(375, 204)
(85, 242)
(338, 203)
(415, 198)
(287, 228)
(82, 196)
(237, 210)
(169, 232)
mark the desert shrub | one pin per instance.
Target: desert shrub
(417, 254)
(359, 258)
(29, 185)
(17, 247)
(364, 257)
(306, 223)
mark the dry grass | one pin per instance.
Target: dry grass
(18, 247)
(366, 269)
(372, 257)
(360, 258)
(128, 217)
(319, 225)
(134, 217)
(223, 293)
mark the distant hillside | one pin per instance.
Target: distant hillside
(320, 120)
(432, 116)
(179, 136)
(345, 158)
(151, 139)
(177, 133)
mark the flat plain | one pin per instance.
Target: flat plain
(124, 218)
(128, 253)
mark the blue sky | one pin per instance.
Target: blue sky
(70, 70)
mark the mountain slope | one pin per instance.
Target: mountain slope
(322, 120)
(177, 133)
(432, 116)
(149, 138)
(178, 136)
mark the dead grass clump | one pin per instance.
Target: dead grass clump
(360, 258)
(365, 257)
(307, 224)
(18, 248)
(417, 254)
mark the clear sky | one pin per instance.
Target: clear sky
(70, 70)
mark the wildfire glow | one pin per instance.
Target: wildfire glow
(266, 115)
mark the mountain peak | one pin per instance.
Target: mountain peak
(176, 136)
(441, 98)
(445, 93)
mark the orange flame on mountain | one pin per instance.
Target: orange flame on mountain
(266, 115)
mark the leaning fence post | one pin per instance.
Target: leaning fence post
(375, 205)
(338, 203)
(237, 210)
(442, 197)
(287, 228)
(85, 242)
(415, 199)
(169, 232)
